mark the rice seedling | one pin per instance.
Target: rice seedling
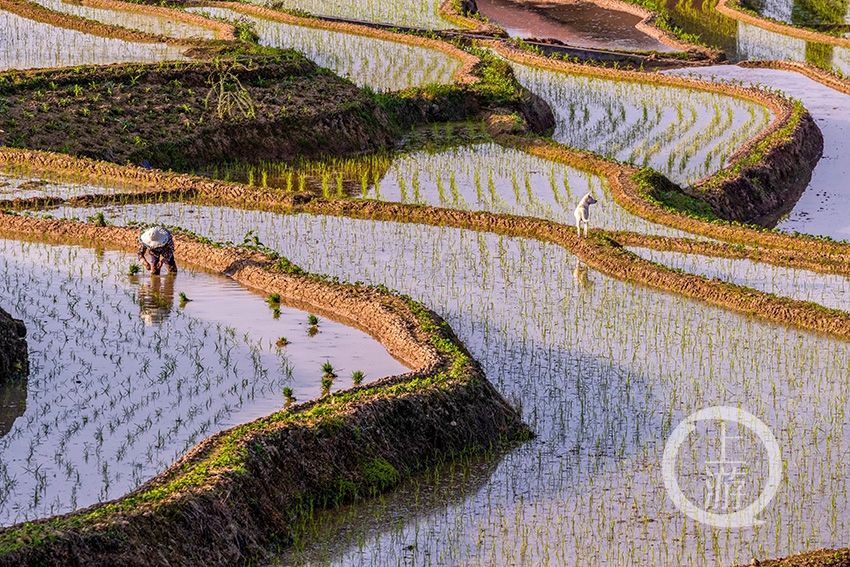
(549, 190)
(758, 43)
(827, 290)
(52, 46)
(148, 23)
(328, 369)
(678, 132)
(403, 13)
(134, 269)
(118, 391)
(312, 320)
(380, 64)
(274, 299)
(282, 342)
(357, 377)
(602, 371)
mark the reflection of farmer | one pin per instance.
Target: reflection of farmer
(156, 297)
(157, 250)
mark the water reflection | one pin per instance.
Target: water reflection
(334, 534)
(156, 297)
(742, 41)
(13, 403)
(582, 24)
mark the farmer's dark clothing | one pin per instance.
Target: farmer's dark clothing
(163, 255)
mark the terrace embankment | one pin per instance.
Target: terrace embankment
(763, 178)
(14, 361)
(238, 492)
(656, 199)
(252, 107)
(177, 114)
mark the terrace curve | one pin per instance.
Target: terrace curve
(444, 406)
(609, 257)
(732, 9)
(40, 14)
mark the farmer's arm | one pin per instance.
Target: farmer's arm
(141, 254)
(166, 256)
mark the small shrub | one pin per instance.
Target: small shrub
(98, 220)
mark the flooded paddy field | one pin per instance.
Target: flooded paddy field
(127, 375)
(158, 25)
(382, 65)
(684, 134)
(823, 208)
(52, 46)
(131, 371)
(581, 24)
(602, 370)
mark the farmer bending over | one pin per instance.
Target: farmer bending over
(157, 249)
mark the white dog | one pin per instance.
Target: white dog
(583, 213)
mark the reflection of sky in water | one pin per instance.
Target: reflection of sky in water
(756, 43)
(381, 64)
(824, 208)
(50, 46)
(125, 377)
(777, 9)
(781, 10)
(841, 59)
(416, 13)
(132, 20)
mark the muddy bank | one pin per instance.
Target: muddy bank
(767, 180)
(187, 115)
(831, 80)
(14, 362)
(817, 558)
(814, 261)
(173, 115)
(463, 75)
(627, 187)
(235, 495)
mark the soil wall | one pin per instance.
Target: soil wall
(14, 362)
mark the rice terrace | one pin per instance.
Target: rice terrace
(493, 282)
